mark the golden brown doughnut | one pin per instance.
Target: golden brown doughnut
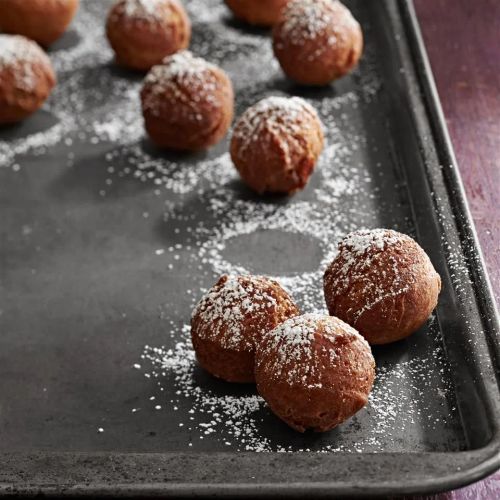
(317, 41)
(231, 319)
(382, 283)
(187, 103)
(276, 144)
(314, 371)
(143, 32)
(26, 78)
(257, 12)
(41, 20)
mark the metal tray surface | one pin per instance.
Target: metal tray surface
(107, 243)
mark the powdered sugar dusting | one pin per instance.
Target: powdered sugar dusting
(305, 20)
(297, 334)
(292, 345)
(359, 242)
(277, 115)
(179, 72)
(226, 306)
(358, 253)
(180, 66)
(145, 10)
(20, 54)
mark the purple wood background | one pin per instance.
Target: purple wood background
(462, 38)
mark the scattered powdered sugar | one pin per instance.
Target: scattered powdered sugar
(36, 144)
(400, 397)
(206, 11)
(208, 413)
(171, 177)
(89, 47)
(67, 118)
(20, 54)
(246, 217)
(16, 48)
(457, 260)
(398, 403)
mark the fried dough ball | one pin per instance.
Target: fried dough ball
(26, 78)
(317, 41)
(276, 144)
(314, 371)
(230, 320)
(382, 283)
(187, 103)
(41, 20)
(143, 32)
(257, 12)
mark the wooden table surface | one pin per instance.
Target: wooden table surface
(462, 38)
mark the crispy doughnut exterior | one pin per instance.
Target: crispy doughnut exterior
(280, 154)
(17, 101)
(141, 43)
(41, 20)
(331, 53)
(316, 384)
(257, 12)
(386, 294)
(225, 342)
(185, 117)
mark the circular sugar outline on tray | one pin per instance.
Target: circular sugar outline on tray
(37, 142)
(246, 217)
(275, 251)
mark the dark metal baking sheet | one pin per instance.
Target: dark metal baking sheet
(106, 243)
